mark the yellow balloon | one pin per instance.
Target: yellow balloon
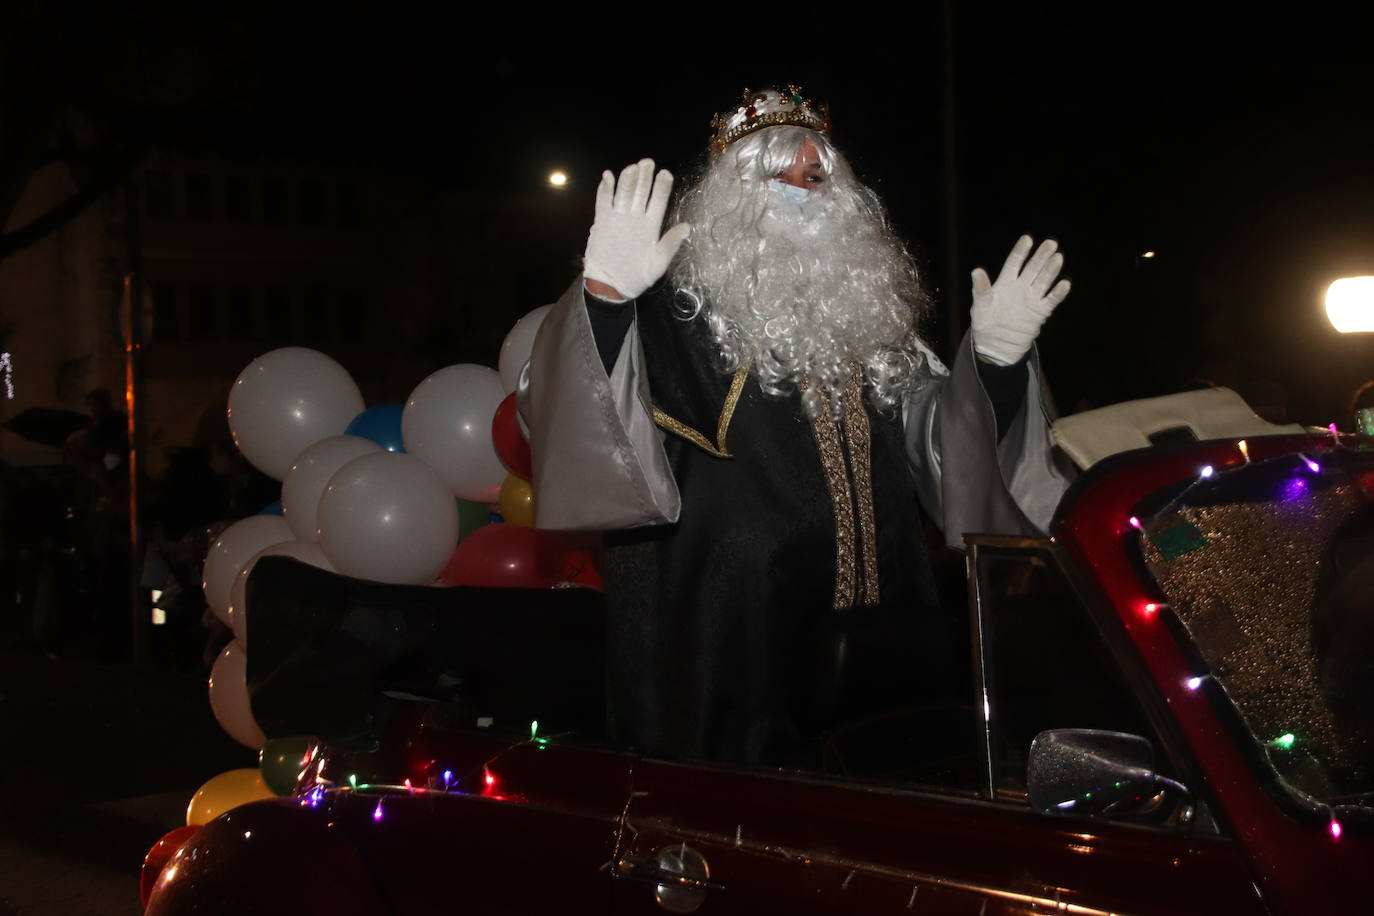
(227, 790)
(517, 501)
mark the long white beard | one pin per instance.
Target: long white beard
(800, 293)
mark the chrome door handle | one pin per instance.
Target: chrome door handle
(680, 874)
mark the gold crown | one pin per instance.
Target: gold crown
(767, 108)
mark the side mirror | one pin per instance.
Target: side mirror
(1082, 771)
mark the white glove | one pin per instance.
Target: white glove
(624, 250)
(1007, 315)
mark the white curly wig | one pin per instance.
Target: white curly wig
(800, 291)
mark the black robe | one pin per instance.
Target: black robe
(726, 636)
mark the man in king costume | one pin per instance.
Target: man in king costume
(744, 404)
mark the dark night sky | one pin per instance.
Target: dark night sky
(1238, 149)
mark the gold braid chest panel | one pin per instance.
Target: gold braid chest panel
(844, 448)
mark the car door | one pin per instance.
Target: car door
(933, 816)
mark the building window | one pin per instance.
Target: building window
(243, 320)
(204, 313)
(350, 205)
(157, 194)
(312, 203)
(199, 196)
(355, 316)
(281, 325)
(318, 314)
(274, 202)
(166, 325)
(238, 199)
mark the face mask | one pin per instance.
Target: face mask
(790, 193)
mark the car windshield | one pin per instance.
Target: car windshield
(1270, 568)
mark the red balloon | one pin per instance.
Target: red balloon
(509, 441)
(157, 858)
(273, 856)
(499, 556)
(573, 558)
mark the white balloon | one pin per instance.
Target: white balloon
(286, 401)
(235, 547)
(229, 697)
(389, 518)
(301, 490)
(515, 350)
(447, 425)
(305, 551)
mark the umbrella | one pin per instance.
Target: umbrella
(47, 425)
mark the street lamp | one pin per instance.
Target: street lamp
(558, 179)
(1350, 304)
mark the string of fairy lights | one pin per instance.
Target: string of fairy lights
(1208, 474)
(443, 782)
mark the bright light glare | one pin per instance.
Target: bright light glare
(1350, 304)
(1147, 254)
(558, 179)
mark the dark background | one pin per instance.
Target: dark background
(1234, 145)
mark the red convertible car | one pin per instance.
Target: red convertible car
(1168, 707)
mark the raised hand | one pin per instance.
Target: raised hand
(624, 250)
(1007, 315)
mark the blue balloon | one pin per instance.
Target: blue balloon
(271, 509)
(381, 424)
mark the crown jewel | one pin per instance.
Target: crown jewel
(767, 108)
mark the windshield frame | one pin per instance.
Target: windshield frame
(1093, 526)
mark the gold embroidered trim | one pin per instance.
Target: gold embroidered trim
(837, 482)
(859, 434)
(727, 413)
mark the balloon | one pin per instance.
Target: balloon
(223, 792)
(229, 697)
(381, 424)
(471, 516)
(272, 508)
(498, 556)
(447, 425)
(509, 441)
(272, 857)
(517, 501)
(286, 401)
(515, 350)
(157, 857)
(232, 551)
(305, 551)
(303, 486)
(574, 556)
(389, 518)
(281, 761)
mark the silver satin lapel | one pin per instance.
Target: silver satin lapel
(599, 463)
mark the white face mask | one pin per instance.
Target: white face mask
(790, 193)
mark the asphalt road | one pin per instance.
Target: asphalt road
(97, 761)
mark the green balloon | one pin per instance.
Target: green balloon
(471, 516)
(281, 760)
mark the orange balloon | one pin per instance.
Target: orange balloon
(158, 856)
(227, 790)
(517, 501)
